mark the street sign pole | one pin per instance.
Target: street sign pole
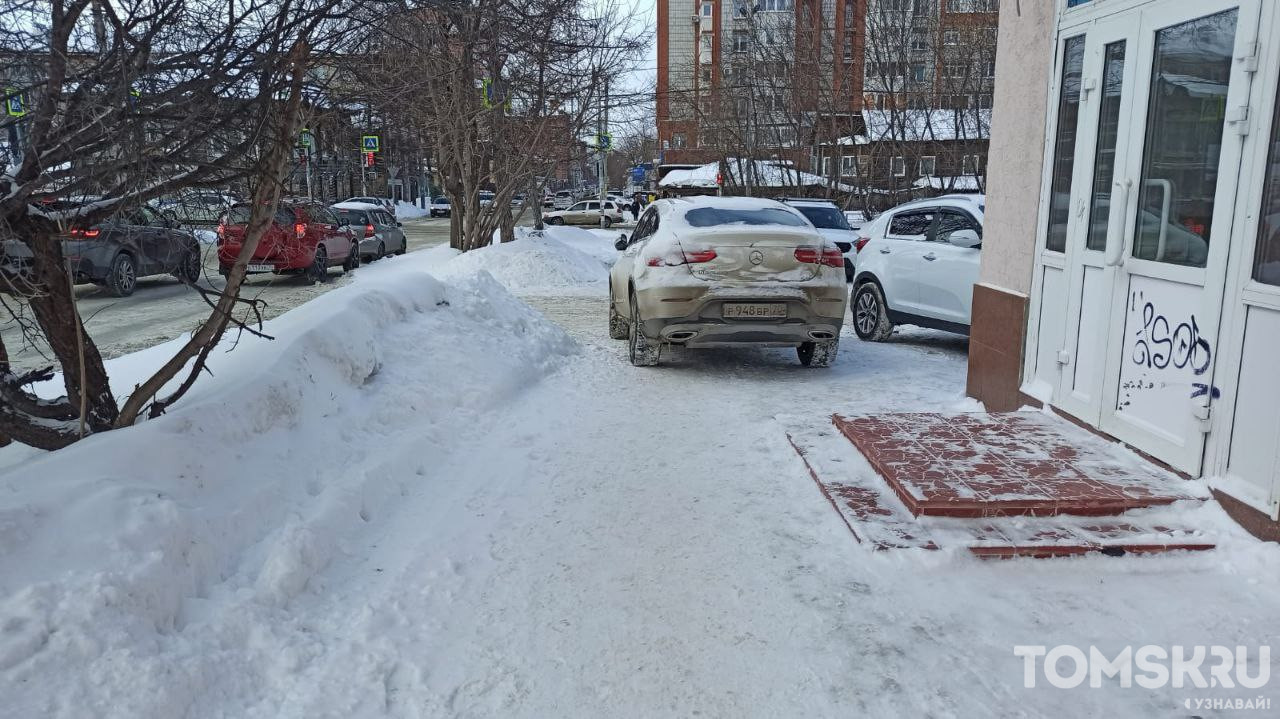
(604, 152)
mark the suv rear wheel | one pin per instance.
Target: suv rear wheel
(319, 268)
(870, 315)
(643, 352)
(818, 354)
(190, 268)
(617, 323)
(123, 277)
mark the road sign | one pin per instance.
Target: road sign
(13, 105)
(369, 159)
(369, 143)
(604, 142)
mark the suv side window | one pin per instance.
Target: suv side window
(911, 225)
(950, 221)
(593, 205)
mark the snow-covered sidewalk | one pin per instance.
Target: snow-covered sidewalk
(455, 506)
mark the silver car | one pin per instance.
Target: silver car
(379, 233)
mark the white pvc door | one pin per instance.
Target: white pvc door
(1107, 69)
(1195, 73)
(1145, 219)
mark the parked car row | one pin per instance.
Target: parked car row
(310, 238)
(714, 271)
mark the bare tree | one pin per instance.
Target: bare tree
(126, 102)
(505, 89)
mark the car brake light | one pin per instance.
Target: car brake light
(859, 243)
(681, 256)
(368, 230)
(88, 234)
(829, 256)
(300, 229)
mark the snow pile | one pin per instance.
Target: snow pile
(145, 571)
(409, 211)
(548, 264)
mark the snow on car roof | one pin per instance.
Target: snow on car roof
(349, 205)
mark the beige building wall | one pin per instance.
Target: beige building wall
(1024, 61)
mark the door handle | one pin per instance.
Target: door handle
(885, 251)
(1116, 222)
(931, 257)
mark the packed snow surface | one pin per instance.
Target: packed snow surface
(425, 499)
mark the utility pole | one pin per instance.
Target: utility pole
(603, 172)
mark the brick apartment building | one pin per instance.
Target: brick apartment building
(798, 79)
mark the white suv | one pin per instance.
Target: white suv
(832, 224)
(917, 264)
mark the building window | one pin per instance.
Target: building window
(1064, 144)
(950, 37)
(849, 166)
(919, 43)
(775, 5)
(826, 167)
(918, 72)
(898, 166)
(706, 75)
(984, 101)
(740, 8)
(707, 9)
(848, 46)
(704, 48)
(953, 70)
(986, 5)
(969, 164)
(989, 69)
(928, 166)
(741, 40)
(677, 140)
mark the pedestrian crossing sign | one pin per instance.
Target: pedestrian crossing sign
(369, 143)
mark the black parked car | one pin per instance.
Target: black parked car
(114, 253)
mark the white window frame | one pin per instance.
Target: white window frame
(932, 161)
(898, 166)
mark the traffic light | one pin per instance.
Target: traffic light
(369, 159)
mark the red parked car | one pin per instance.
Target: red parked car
(304, 237)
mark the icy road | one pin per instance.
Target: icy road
(458, 506)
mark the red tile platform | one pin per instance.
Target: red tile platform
(1000, 485)
(1003, 464)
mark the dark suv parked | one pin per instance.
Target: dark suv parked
(114, 253)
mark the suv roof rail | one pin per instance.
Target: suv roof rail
(805, 199)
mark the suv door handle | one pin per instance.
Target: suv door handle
(931, 257)
(885, 250)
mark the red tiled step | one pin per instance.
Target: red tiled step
(1003, 464)
(876, 517)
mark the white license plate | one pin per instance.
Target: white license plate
(754, 310)
(262, 268)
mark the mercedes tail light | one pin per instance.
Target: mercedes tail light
(677, 255)
(81, 233)
(861, 242)
(829, 256)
